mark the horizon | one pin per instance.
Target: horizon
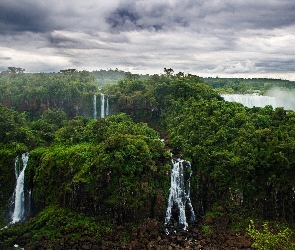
(235, 76)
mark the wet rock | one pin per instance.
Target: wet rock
(86, 247)
(149, 235)
(198, 247)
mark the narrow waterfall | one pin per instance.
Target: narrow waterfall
(19, 196)
(104, 106)
(102, 110)
(94, 108)
(252, 100)
(107, 108)
(179, 207)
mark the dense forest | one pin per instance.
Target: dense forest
(248, 85)
(86, 177)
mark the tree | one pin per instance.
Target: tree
(169, 72)
(67, 71)
(15, 70)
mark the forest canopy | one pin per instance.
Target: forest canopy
(116, 169)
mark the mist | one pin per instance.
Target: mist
(285, 99)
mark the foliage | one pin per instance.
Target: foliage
(35, 93)
(241, 154)
(148, 100)
(54, 223)
(115, 164)
(206, 229)
(111, 76)
(243, 159)
(14, 130)
(49, 122)
(6, 180)
(265, 239)
(251, 85)
(15, 138)
(19, 134)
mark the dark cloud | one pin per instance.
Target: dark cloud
(144, 15)
(124, 18)
(202, 15)
(61, 41)
(239, 15)
(72, 40)
(17, 16)
(271, 65)
(211, 36)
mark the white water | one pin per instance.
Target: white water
(102, 111)
(94, 108)
(252, 100)
(179, 194)
(19, 196)
(107, 108)
(277, 98)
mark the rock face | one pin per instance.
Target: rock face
(150, 235)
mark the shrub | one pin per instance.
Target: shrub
(264, 239)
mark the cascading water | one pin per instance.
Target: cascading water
(107, 108)
(18, 195)
(252, 100)
(102, 110)
(179, 207)
(94, 108)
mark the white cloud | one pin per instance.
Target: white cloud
(237, 38)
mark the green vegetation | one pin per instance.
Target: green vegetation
(115, 171)
(111, 161)
(35, 93)
(110, 76)
(248, 86)
(265, 239)
(52, 224)
(244, 157)
(206, 229)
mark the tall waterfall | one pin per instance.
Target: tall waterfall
(102, 110)
(107, 108)
(104, 106)
(179, 206)
(19, 196)
(251, 100)
(94, 108)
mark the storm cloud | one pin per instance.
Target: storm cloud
(242, 38)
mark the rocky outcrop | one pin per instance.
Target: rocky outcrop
(150, 235)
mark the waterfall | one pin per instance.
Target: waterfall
(251, 100)
(94, 108)
(19, 196)
(278, 99)
(179, 204)
(107, 108)
(102, 111)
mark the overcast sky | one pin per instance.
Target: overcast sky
(238, 38)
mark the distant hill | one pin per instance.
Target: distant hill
(248, 85)
(112, 76)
